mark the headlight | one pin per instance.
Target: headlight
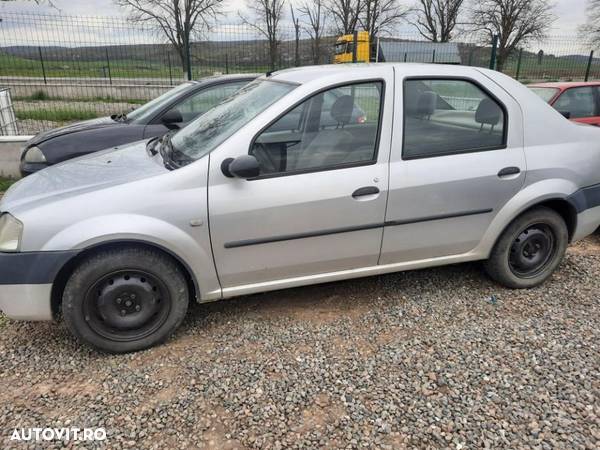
(10, 233)
(34, 155)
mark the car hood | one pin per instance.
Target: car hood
(101, 122)
(96, 171)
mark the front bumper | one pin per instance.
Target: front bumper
(26, 301)
(26, 283)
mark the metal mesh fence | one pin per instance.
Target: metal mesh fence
(62, 68)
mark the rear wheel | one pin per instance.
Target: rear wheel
(529, 250)
(125, 299)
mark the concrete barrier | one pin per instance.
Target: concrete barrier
(10, 155)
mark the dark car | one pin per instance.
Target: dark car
(173, 109)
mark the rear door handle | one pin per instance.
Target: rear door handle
(507, 171)
(367, 190)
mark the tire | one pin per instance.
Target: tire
(529, 250)
(125, 300)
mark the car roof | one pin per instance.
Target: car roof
(301, 75)
(565, 84)
(229, 77)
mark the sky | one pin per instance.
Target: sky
(570, 14)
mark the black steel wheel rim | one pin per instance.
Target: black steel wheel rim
(127, 305)
(532, 250)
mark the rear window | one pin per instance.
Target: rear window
(545, 93)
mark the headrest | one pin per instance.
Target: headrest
(488, 112)
(426, 103)
(342, 109)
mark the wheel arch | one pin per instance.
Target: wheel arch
(561, 205)
(67, 269)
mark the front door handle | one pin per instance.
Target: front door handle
(367, 190)
(507, 171)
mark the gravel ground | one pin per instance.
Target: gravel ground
(425, 359)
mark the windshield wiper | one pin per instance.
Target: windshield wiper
(122, 117)
(166, 151)
(172, 158)
(151, 146)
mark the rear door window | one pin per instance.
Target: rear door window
(450, 116)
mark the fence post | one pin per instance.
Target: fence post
(227, 63)
(170, 70)
(433, 57)
(589, 66)
(43, 68)
(494, 52)
(519, 63)
(188, 57)
(355, 46)
(108, 66)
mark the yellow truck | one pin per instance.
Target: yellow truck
(393, 50)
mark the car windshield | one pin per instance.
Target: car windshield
(212, 128)
(147, 110)
(340, 48)
(545, 93)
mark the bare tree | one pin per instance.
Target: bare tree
(381, 16)
(266, 19)
(590, 31)
(177, 19)
(436, 19)
(296, 23)
(344, 14)
(515, 22)
(314, 19)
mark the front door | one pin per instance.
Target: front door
(457, 159)
(319, 204)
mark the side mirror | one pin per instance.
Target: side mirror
(171, 118)
(245, 166)
(566, 114)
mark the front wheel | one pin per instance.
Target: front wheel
(125, 300)
(529, 250)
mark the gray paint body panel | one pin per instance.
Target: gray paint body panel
(126, 194)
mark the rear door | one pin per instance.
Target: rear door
(457, 158)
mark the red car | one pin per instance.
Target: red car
(576, 101)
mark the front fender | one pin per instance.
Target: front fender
(529, 196)
(192, 249)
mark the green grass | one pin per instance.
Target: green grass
(119, 68)
(5, 184)
(42, 96)
(55, 115)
